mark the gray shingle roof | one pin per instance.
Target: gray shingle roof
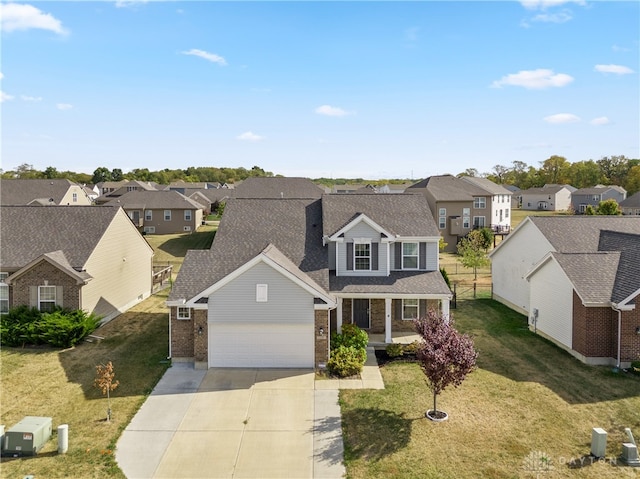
(400, 214)
(489, 186)
(545, 190)
(23, 192)
(213, 194)
(153, 200)
(278, 187)
(592, 274)
(415, 282)
(597, 190)
(632, 202)
(449, 188)
(27, 232)
(627, 280)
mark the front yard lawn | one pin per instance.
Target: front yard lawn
(528, 399)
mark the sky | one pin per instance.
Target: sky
(374, 90)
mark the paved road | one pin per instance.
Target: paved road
(234, 423)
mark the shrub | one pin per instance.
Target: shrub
(445, 276)
(351, 336)
(17, 327)
(346, 361)
(411, 348)
(395, 350)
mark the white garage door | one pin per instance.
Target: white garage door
(237, 344)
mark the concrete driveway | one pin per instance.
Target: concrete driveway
(234, 423)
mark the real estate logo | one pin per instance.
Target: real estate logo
(537, 462)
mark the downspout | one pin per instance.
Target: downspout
(615, 308)
(169, 357)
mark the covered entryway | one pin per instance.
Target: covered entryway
(242, 344)
(361, 312)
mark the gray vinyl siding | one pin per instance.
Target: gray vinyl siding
(428, 259)
(331, 251)
(287, 302)
(362, 230)
(432, 256)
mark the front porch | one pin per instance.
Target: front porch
(399, 337)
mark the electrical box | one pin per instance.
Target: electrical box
(27, 437)
(598, 442)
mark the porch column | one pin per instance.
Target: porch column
(444, 305)
(387, 320)
(339, 316)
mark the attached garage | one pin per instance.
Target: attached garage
(243, 344)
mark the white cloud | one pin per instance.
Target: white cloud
(250, 136)
(561, 17)
(561, 118)
(329, 110)
(64, 106)
(618, 48)
(5, 97)
(129, 3)
(544, 4)
(1, 75)
(212, 57)
(16, 16)
(30, 98)
(534, 79)
(617, 69)
(602, 120)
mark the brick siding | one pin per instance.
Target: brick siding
(321, 354)
(36, 276)
(181, 335)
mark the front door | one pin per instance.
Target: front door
(361, 313)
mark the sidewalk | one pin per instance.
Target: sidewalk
(370, 377)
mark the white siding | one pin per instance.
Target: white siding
(552, 296)
(362, 230)
(515, 257)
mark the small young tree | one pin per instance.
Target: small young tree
(106, 383)
(445, 355)
(472, 251)
(609, 207)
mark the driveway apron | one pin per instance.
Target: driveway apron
(234, 423)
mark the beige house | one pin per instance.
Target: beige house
(89, 258)
(161, 212)
(42, 192)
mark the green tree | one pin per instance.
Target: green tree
(555, 170)
(609, 207)
(50, 172)
(472, 252)
(590, 210)
(100, 175)
(614, 169)
(632, 183)
(584, 174)
(117, 175)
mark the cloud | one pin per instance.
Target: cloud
(602, 120)
(534, 79)
(562, 118)
(1, 75)
(212, 57)
(17, 16)
(250, 136)
(544, 4)
(329, 110)
(129, 3)
(5, 97)
(617, 69)
(64, 106)
(30, 98)
(561, 17)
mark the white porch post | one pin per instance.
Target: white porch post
(387, 320)
(444, 304)
(339, 316)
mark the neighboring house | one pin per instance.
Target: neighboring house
(570, 275)
(89, 258)
(394, 188)
(460, 206)
(161, 212)
(283, 274)
(277, 187)
(631, 206)
(211, 197)
(43, 193)
(188, 188)
(584, 197)
(345, 189)
(115, 189)
(547, 198)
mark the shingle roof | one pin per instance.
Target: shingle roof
(214, 194)
(489, 186)
(545, 190)
(592, 274)
(415, 282)
(27, 232)
(449, 188)
(632, 202)
(23, 192)
(155, 200)
(400, 214)
(278, 187)
(627, 280)
(597, 190)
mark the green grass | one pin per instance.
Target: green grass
(171, 249)
(526, 396)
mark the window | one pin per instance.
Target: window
(506, 213)
(149, 229)
(583, 208)
(167, 215)
(75, 197)
(187, 215)
(131, 188)
(148, 215)
(262, 293)
(480, 202)
(410, 309)
(466, 217)
(362, 256)
(595, 198)
(478, 221)
(46, 298)
(186, 228)
(442, 218)
(184, 313)
(410, 255)
(4, 293)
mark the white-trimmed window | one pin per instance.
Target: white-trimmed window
(478, 221)
(262, 293)
(410, 309)
(595, 198)
(148, 215)
(480, 202)
(442, 218)
(187, 215)
(410, 255)
(362, 256)
(184, 313)
(466, 217)
(46, 298)
(167, 215)
(74, 197)
(506, 213)
(149, 229)
(4, 293)
(583, 208)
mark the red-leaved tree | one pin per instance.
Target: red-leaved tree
(445, 355)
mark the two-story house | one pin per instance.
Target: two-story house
(283, 273)
(584, 197)
(161, 212)
(43, 192)
(460, 206)
(547, 198)
(631, 206)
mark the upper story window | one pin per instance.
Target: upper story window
(46, 298)
(132, 188)
(148, 215)
(466, 217)
(74, 197)
(442, 218)
(480, 202)
(410, 255)
(4, 293)
(362, 256)
(596, 198)
(167, 215)
(187, 215)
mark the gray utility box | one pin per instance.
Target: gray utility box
(27, 437)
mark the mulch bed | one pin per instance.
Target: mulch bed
(383, 358)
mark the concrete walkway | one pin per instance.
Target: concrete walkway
(240, 423)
